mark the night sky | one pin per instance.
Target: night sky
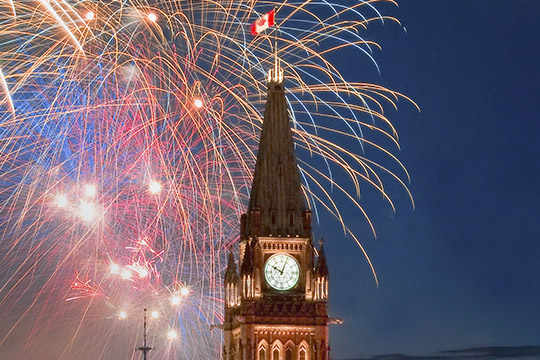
(461, 270)
(459, 274)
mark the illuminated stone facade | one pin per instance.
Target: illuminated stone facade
(276, 310)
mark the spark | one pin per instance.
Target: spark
(139, 269)
(48, 6)
(114, 268)
(6, 92)
(87, 211)
(171, 334)
(84, 288)
(90, 190)
(176, 300)
(155, 187)
(90, 15)
(198, 103)
(126, 274)
(61, 201)
(142, 273)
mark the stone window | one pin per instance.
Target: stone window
(288, 354)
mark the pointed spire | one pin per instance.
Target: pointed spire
(231, 275)
(277, 206)
(247, 262)
(321, 269)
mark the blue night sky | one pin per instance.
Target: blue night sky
(459, 275)
(461, 270)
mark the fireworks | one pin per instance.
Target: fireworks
(127, 141)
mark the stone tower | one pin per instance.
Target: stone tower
(276, 299)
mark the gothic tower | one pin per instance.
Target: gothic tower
(276, 302)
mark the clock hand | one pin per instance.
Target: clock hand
(284, 264)
(275, 268)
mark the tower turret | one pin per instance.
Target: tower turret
(231, 282)
(246, 272)
(321, 275)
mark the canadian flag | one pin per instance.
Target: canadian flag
(263, 23)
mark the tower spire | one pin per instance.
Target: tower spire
(277, 206)
(279, 295)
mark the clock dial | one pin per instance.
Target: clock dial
(282, 272)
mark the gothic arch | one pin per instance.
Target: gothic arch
(263, 352)
(277, 350)
(290, 350)
(288, 354)
(303, 347)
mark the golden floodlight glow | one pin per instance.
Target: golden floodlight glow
(152, 17)
(198, 103)
(155, 187)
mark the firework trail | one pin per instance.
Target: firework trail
(128, 134)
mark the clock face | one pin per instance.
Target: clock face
(282, 272)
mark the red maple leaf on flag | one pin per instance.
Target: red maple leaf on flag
(263, 23)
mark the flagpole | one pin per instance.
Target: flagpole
(277, 74)
(275, 43)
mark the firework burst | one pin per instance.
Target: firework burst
(127, 140)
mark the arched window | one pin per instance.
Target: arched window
(263, 351)
(303, 351)
(275, 355)
(288, 354)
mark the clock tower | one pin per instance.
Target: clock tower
(276, 299)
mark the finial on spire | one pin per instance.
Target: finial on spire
(275, 75)
(321, 269)
(231, 275)
(247, 262)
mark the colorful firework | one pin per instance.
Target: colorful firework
(127, 140)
